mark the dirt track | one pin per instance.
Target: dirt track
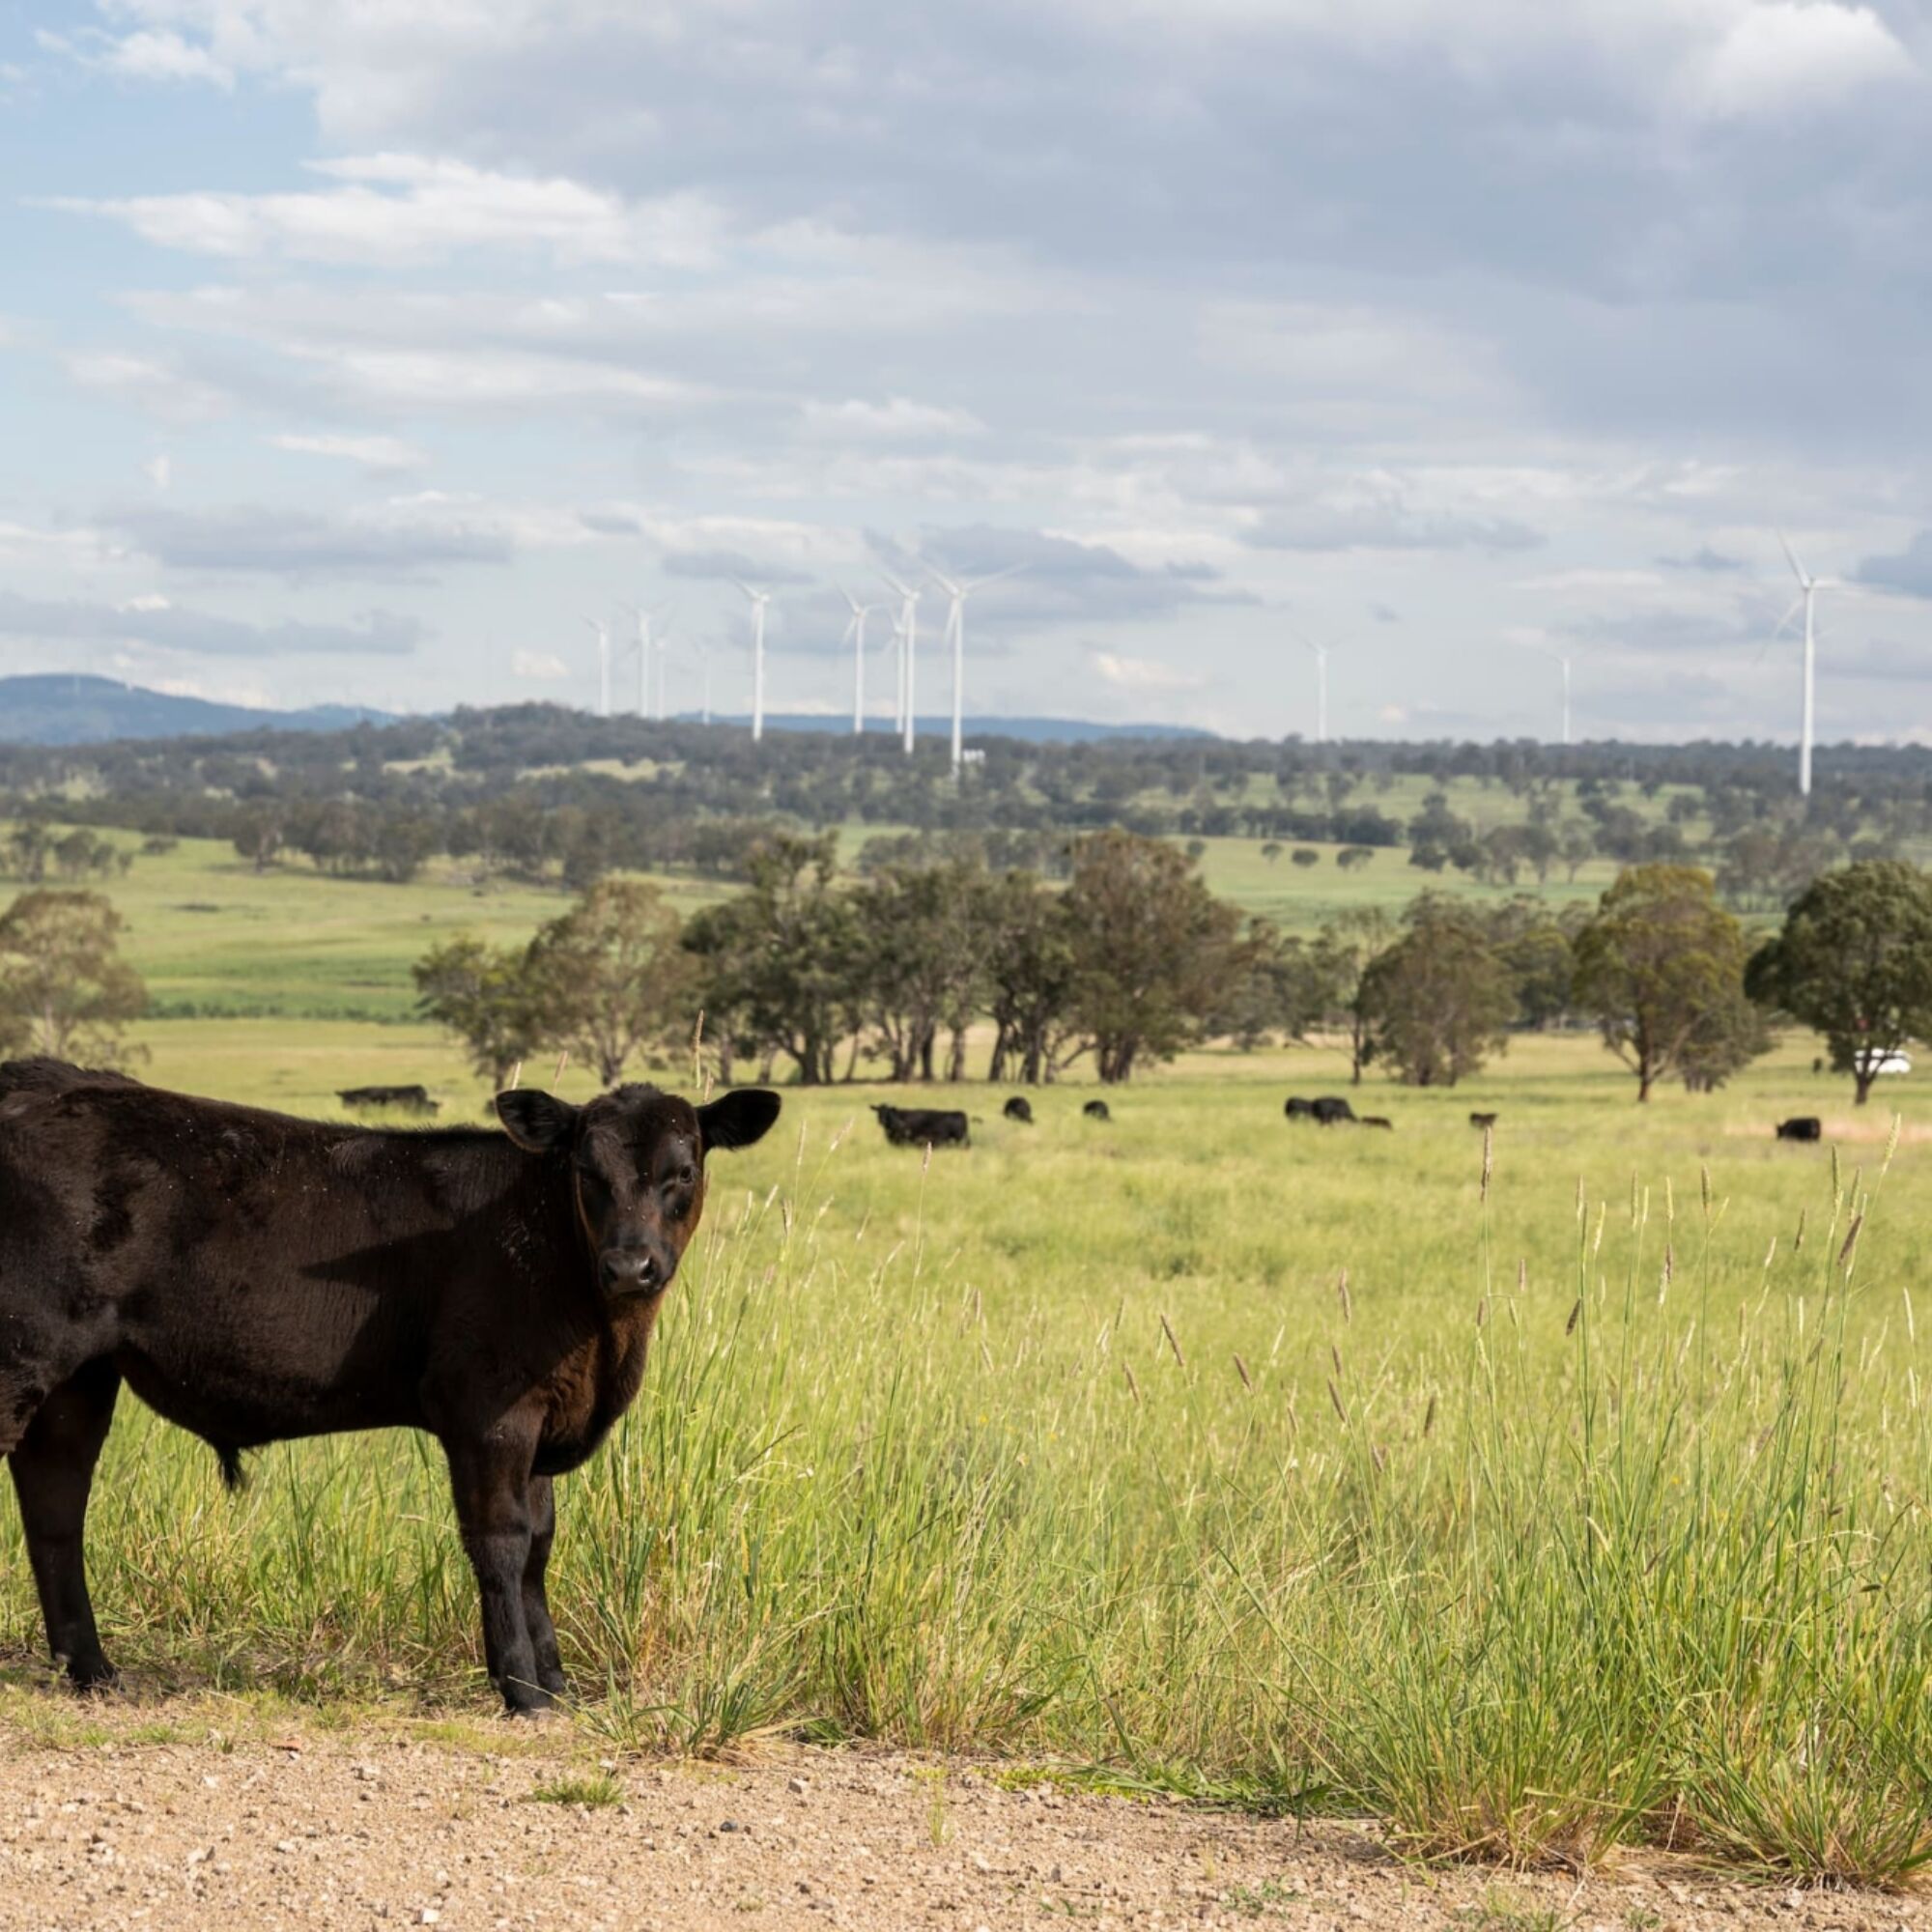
(384, 1834)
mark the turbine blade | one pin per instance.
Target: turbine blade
(1791, 558)
(993, 577)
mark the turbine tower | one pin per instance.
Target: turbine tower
(856, 631)
(1808, 587)
(758, 599)
(603, 631)
(1320, 653)
(642, 645)
(908, 636)
(956, 633)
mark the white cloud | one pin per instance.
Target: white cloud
(896, 418)
(159, 471)
(398, 211)
(160, 56)
(539, 666)
(149, 383)
(1780, 55)
(1136, 675)
(382, 455)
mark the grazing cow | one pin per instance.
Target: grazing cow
(1019, 1108)
(923, 1127)
(1329, 1112)
(256, 1278)
(1377, 1120)
(1801, 1127)
(1483, 1119)
(1098, 1110)
(1300, 1110)
(404, 1099)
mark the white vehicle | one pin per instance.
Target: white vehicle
(1891, 1062)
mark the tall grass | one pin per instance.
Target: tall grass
(1556, 1529)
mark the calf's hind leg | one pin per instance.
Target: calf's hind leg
(53, 1471)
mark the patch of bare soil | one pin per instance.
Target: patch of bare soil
(380, 1833)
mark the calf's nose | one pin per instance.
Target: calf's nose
(627, 1271)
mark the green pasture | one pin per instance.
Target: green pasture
(213, 938)
(1573, 1505)
(1195, 1451)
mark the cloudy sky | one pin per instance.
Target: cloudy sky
(360, 349)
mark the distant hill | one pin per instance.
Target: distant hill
(60, 709)
(1027, 730)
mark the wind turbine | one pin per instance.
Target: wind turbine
(603, 631)
(642, 645)
(1320, 653)
(1806, 600)
(704, 658)
(1555, 657)
(908, 636)
(856, 631)
(759, 600)
(956, 631)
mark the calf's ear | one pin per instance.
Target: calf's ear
(537, 1122)
(737, 1119)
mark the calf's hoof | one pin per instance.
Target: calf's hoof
(89, 1675)
(527, 1700)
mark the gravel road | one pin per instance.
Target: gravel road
(324, 1831)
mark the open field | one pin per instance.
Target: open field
(1555, 1531)
(1257, 1463)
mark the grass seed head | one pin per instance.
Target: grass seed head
(1173, 1342)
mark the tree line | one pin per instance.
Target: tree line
(1133, 959)
(1126, 965)
(539, 792)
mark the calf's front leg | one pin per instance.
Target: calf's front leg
(537, 1599)
(492, 1485)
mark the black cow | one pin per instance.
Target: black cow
(404, 1099)
(1300, 1110)
(1483, 1119)
(1801, 1127)
(1377, 1120)
(1330, 1113)
(1019, 1108)
(923, 1127)
(257, 1278)
(1098, 1110)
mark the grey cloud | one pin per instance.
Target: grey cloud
(301, 543)
(1389, 525)
(1703, 558)
(374, 633)
(1909, 572)
(724, 566)
(1058, 579)
(1883, 660)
